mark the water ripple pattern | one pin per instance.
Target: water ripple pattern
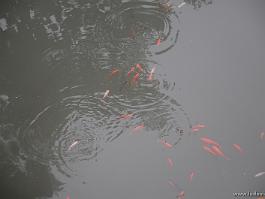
(142, 25)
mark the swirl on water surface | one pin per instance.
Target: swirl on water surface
(142, 24)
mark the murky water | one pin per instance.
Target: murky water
(100, 99)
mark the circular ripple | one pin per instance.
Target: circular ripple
(141, 24)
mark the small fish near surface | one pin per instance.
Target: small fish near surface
(106, 94)
(158, 42)
(259, 174)
(73, 144)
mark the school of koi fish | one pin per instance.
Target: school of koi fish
(209, 145)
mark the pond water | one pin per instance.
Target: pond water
(132, 99)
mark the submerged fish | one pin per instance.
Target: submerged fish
(158, 41)
(113, 72)
(166, 144)
(127, 116)
(130, 71)
(139, 67)
(136, 77)
(138, 128)
(209, 150)
(191, 176)
(219, 152)
(170, 162)
(209, 141)
(67, 197)
(181, 195)
(262, 135)
(237, 147)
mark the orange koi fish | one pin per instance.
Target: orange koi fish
(170, 162)
(237, 147)
(166, 144)
(138, 128)
(150, 77)
(139, 67)
(131, 70)
(209, 141)
(219, 152)
(158, 41)
(195, 129)
(209, 150)
(106, 93)
(191, 176)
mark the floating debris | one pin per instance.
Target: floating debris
(259, 174)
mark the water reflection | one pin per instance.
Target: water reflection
(58, 56)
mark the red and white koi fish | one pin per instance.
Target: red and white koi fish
(170, 162)
(219, 152)
(150, 77)
(262, 135)
(136, 77)
(259, 174)
(166, 144)
(191, 176)
(209, 141)
(138, 66)
(182, 4)
(237, 147)
(73, 144)
(138, 128)
(106, 93)
(209, 150)
(130, 71)
(158, 41)
(125, 117)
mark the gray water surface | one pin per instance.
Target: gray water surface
(61, 138)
